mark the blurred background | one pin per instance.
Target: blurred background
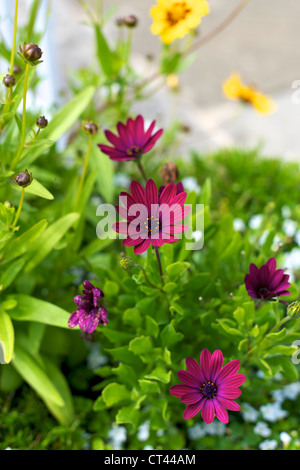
(261, 44)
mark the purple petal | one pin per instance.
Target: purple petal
(195, 369)
(221, 413)
(205, 362)
(208, 411)
(191, 398)
(180, 390)
(216, 363)
(189, 379)
(230, 369)
(194, 409)
(229, 404)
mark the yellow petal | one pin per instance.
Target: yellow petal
(263, 104)
(233, 86)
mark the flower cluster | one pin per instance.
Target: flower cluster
(90, 312)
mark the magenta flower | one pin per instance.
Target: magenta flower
(91, 311)
(132, 140)
(266, 282)
(157, 219)
(209, 387)
(179, 188)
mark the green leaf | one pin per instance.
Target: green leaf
(25, 242)
(160, 374)
(177, 269)
(50, 238)
(132, 317)
(149, 387)
(104, 169)
(141, 345)
(11, 272)
(104, 54)
(152, 327)
(37, 189)
(169, 336)
(115, 394)
(128, 415)
(32, 309)
(7, 338)
(68, 115)
(64, 413)
(34, 374)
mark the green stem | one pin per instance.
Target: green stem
(86, 163)
(279, 324)
(23, 133)
(140, 167)
(13, 50)
(19, 209)
(159, 263)
(147, 279)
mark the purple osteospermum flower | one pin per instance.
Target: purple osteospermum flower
(209, 387)
(156, 223)
(91, 311)
(132, 140)
(179, 188)
(266, 282)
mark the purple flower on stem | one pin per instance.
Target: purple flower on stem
(91, 311)
(266, 282)
(209, 387)
(132, 140)
(157, 222)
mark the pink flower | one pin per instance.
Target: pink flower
(209, 387)
(267, 282)
(132, 140)
(157, 219)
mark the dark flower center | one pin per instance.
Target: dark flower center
(178, 13)
(263, 292)
(209, 390)
(152, 225)
(133, 150)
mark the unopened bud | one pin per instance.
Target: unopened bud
(169, 173)
(31, 53)
(120, 22)
(130, 21)
(8, 204)
(91, 128)
(17, 69)
(127, 263)
(23, 179)
(42, 122)
(9, 81)
(293, 310)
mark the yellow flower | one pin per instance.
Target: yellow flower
(174, 18)
(173, 81)
(235, 89)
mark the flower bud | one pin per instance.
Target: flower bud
(169, 173)
(8, 204)
(91, 128)
(31, 53)
(173, 82)
(120, 22)
(23, 179)
(16, 69)
(42, 122)
(130, 21)
(293, 310)
(127, 263)
(9, 81)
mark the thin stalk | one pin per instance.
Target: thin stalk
(19, 209)
(220, 27)
(140, 167)
(13, 50)
(279, 324)
(23, 134)
(86, 164)
(159, 263)
(146, 277)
